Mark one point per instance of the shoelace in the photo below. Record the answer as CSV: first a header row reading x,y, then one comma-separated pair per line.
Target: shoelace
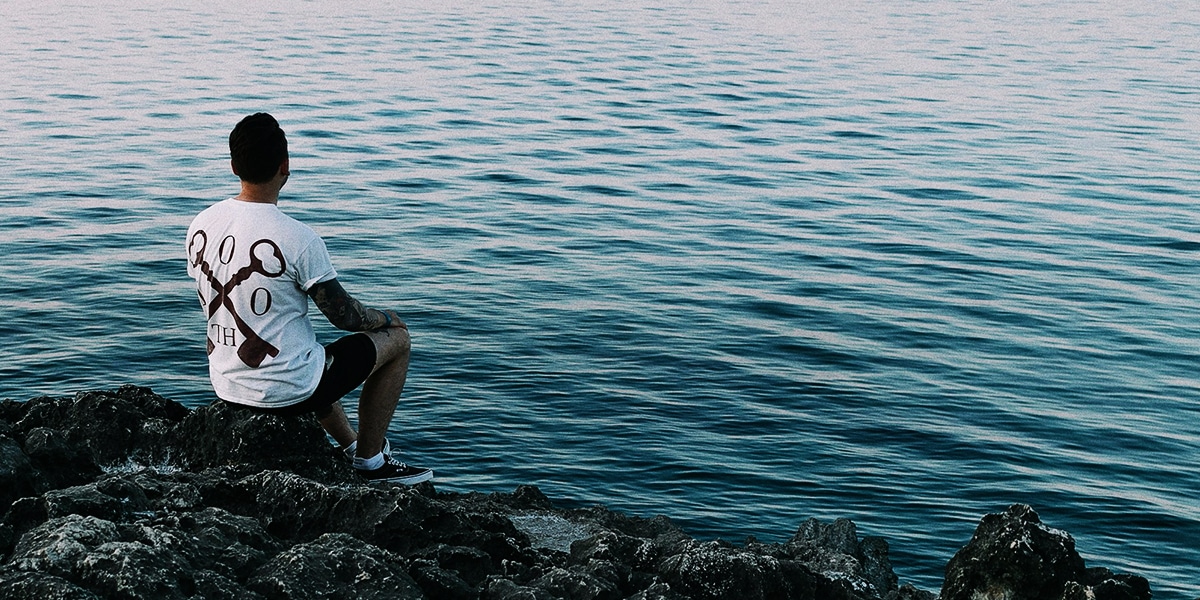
x,y
387,458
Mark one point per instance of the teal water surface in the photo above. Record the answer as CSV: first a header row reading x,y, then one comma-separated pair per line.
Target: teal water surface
x,y
738,263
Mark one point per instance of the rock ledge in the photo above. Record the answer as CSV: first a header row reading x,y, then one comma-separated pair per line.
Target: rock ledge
x,y
126,494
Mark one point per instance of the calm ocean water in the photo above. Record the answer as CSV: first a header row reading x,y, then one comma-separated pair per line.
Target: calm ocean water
x,y
741,263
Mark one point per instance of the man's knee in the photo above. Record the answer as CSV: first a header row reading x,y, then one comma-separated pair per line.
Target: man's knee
x,y
403,342
391,344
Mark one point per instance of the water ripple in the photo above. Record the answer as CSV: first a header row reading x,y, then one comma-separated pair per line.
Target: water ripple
x,y
904,265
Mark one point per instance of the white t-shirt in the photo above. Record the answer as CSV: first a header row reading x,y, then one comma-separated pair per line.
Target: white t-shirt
x,y
253,266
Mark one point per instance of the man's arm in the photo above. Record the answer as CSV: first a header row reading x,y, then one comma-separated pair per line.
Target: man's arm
x,y
345,312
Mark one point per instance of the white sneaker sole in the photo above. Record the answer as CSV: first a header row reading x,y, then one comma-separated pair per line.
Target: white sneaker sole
x,y
415,479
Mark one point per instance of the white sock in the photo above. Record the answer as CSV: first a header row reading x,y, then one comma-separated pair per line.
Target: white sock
x,y
369,464
351,448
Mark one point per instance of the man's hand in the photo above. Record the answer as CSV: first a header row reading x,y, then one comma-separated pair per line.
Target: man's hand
x,y
392,319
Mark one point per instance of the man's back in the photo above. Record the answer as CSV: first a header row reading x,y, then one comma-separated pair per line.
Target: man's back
x,y
252,265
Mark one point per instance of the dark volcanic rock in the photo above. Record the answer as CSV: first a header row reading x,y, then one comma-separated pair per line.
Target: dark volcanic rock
x,y
129,424
335,566
16,472
1013,556
125,494
244,441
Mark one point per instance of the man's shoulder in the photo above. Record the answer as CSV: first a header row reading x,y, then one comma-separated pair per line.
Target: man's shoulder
x,y
299,229
215,211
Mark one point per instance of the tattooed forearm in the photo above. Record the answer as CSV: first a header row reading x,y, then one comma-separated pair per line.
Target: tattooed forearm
x,y
345,312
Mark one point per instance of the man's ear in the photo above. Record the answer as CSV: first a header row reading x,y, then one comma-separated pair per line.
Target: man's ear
x,y
233,168
285,168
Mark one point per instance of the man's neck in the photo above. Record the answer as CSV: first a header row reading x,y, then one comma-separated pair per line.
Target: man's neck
x,y
258,193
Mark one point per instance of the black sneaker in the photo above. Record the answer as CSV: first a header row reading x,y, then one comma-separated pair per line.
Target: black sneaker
x,y
398,472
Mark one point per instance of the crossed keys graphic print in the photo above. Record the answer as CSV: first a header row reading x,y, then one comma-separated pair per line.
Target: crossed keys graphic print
x,y
254,350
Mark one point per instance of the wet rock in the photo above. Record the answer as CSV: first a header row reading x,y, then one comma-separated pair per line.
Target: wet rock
x,y
16,472
335,566
705,570
472,565
437,582
58,546
57,462
877,565
216,586
504,589
128,424
576,583
125,494
24,584
217,541
637,553
137,569
397,518
908,592
1013,556
834,550
223,435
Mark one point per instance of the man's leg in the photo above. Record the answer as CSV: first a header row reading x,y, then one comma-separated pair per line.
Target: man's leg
x,y
337,425
381,391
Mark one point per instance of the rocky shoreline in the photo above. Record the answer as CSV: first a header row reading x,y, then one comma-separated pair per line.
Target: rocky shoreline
x,y
126,494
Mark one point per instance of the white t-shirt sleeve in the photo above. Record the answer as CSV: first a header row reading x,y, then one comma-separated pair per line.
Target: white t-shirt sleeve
x,y
313,265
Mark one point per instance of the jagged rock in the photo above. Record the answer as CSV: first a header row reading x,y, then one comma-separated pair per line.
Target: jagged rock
x,y
877,565
1013,556
908,592
712,570
437,582
472,565
57,462
215,586
335,566
148,566
26,584
87,500
110,560
224,435
63,442
576,583
639,554
58,546
220,542
125,494
16,472
504,589
131,423
835,552
397,518
656,591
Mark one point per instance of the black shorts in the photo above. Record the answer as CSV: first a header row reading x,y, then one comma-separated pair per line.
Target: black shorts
x,y
348,362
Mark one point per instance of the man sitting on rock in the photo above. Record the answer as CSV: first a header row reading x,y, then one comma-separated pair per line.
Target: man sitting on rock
x,y
255,269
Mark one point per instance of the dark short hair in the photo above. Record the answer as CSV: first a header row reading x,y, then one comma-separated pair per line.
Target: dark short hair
x,y
257,146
